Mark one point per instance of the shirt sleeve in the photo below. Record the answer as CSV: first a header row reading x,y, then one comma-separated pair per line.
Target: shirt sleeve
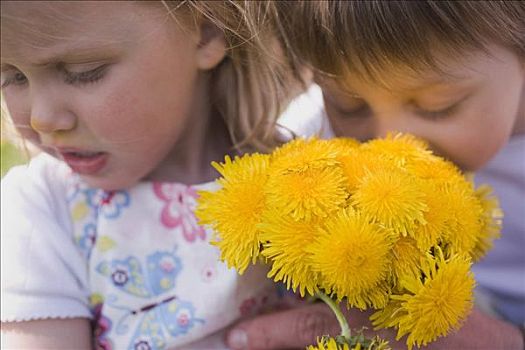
x,y
304,116
44,275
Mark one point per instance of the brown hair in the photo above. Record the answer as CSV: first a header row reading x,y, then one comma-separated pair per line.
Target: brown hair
x,y
253,84
368,37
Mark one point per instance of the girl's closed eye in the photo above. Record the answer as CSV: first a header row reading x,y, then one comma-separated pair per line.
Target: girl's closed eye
x,y
13,77
75,76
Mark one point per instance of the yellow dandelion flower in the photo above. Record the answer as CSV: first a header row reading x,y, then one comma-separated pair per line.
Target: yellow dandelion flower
x,y
491,221
401,148
307,193
377,343
303,154
235,210
435,168
356,163
352,255
344,144
329,344
435,304
436,216
285,245
406,257
388,317
394,198
465,224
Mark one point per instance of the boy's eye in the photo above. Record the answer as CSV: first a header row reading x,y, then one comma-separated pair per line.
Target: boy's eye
x,y
441,113
84,77
14,77
438,114
360,111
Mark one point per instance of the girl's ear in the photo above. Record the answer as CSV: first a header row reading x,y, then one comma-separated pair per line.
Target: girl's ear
x,y
212,46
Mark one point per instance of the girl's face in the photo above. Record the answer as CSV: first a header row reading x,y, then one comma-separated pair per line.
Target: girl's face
x,y
466,116
110,87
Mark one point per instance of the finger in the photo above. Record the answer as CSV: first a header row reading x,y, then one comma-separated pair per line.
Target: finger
x,y
294,328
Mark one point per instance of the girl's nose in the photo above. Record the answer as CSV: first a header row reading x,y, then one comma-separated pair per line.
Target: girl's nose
x,y
49,116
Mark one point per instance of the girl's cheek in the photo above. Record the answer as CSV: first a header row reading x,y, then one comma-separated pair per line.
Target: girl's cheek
x,y
27,133
22,123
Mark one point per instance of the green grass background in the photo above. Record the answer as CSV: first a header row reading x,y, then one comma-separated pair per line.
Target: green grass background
x,y
10,155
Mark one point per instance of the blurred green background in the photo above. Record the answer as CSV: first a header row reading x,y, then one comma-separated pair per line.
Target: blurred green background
x,y
10,155
11,152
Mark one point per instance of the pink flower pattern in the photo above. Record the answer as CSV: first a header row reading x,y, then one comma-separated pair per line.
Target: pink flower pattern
x,y
178,210
101,329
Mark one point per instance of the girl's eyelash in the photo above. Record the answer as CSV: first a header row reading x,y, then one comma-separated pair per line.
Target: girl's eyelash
x,y
90,76
17,78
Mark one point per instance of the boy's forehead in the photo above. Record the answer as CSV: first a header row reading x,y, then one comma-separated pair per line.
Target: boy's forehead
x,y
399,78
447,70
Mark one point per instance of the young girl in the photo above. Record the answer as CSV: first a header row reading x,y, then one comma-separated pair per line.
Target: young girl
x,y
130,102
450,72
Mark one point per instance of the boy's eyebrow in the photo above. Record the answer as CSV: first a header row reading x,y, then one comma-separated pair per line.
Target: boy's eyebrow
x,y
422,84
442,80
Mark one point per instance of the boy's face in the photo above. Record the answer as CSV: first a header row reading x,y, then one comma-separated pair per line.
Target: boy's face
x,y
466,115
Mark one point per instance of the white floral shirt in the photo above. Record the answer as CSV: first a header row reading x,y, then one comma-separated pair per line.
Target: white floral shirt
x,y
135,261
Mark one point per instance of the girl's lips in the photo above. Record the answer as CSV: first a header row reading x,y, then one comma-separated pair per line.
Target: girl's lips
x,y
85,162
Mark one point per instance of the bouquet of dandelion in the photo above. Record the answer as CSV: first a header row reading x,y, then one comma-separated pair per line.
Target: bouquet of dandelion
x,y
384,224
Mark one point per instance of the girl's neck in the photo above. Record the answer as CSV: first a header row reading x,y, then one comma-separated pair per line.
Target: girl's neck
x,y
203,140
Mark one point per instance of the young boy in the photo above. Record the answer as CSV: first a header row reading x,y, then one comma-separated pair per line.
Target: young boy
x,y
452,73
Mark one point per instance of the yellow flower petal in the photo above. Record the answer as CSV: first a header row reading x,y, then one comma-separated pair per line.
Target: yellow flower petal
x,y
434,305
285,244
352,256
344,144
393,198
438,212
315,192
235,210
435,168
356,163
401,148
465,224
406,257
305,180
490,224
303,154
329,344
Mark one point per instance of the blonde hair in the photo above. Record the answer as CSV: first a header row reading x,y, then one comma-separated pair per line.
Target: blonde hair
x,y
253,84
367,38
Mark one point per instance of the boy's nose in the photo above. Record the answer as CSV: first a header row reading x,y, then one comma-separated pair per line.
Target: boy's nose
x,y
392,123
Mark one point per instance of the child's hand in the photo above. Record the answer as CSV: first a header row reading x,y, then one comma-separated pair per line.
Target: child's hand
x,y
290,329
297,328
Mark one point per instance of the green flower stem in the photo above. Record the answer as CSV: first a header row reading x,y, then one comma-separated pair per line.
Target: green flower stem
x,y
345,329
